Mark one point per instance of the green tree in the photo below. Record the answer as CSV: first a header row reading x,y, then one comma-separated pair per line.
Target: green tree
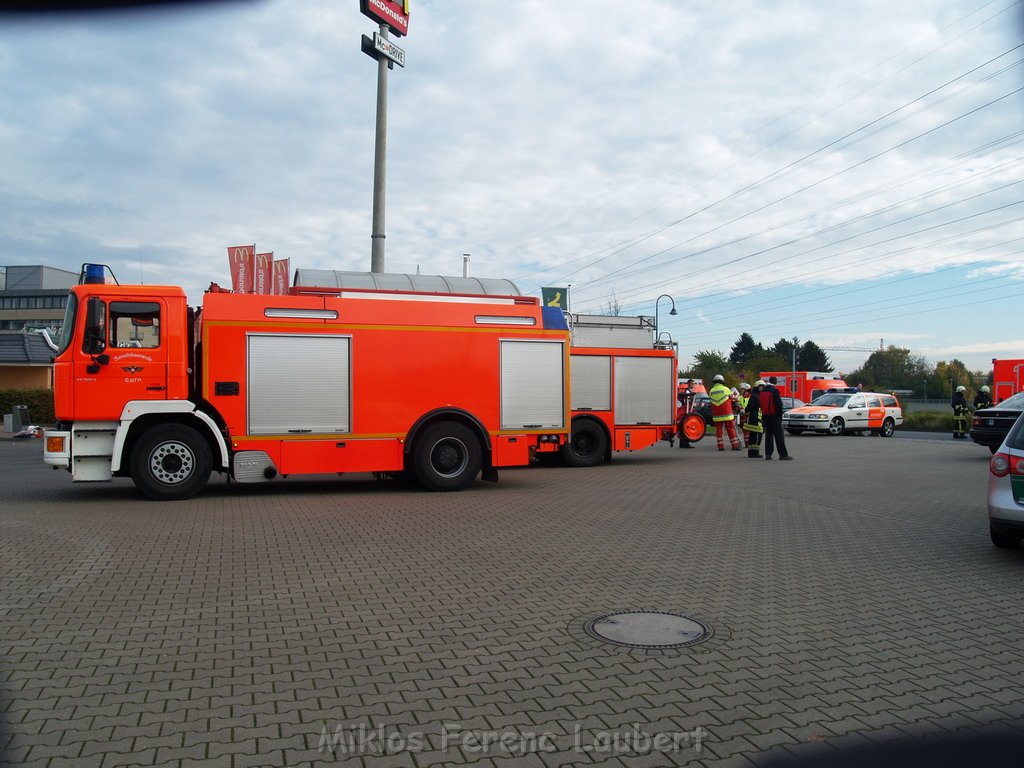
x,y
784,349
891,368
706,364
948,376
765,361
744,350
811,357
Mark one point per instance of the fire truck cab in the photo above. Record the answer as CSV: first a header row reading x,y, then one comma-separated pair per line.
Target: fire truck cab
x,y
313,382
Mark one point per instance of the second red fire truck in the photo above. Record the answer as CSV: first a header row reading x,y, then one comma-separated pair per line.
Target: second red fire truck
x,y
623,387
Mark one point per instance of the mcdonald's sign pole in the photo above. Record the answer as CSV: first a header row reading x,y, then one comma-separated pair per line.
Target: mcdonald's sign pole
x,y
393,16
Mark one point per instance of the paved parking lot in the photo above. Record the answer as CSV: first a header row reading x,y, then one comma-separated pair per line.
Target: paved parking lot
x,y
853,594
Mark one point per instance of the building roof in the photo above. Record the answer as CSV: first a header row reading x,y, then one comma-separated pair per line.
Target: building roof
x,y
37,277
24,349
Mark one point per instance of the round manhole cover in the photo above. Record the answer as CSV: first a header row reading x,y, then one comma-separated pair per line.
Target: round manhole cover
x,y
648,629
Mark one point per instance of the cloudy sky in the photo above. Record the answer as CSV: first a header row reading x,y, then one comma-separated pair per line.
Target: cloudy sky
x,y
842,172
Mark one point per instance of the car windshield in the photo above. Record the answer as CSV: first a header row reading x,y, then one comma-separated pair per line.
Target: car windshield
x,y
832,401
1017,401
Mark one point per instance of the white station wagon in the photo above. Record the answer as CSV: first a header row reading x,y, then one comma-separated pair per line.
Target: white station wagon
x,y
846,411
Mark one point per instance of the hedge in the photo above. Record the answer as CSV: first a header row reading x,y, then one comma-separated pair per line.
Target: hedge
x,y
929,421
39,402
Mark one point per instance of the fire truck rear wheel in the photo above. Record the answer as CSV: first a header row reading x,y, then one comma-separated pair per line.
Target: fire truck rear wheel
x,y
171,462
447,457
587,444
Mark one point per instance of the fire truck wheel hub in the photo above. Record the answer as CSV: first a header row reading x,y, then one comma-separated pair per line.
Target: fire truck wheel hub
x,y
172,463
449,457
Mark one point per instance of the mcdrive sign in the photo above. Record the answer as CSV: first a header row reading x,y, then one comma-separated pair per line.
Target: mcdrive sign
x,y
395,15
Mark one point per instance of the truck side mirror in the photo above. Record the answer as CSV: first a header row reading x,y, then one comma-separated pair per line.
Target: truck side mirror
x,y
94,341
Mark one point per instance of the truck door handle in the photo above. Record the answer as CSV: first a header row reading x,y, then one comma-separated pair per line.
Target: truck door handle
x,y
155,387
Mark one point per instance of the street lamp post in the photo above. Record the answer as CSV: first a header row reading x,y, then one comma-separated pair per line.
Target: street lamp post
x,y
671,312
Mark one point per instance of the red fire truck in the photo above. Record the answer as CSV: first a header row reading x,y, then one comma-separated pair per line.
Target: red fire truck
x,y
804,385
623,385
1007,379
439,377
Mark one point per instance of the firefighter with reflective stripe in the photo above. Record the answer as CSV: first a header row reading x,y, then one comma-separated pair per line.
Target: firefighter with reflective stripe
x,y
752,421
721,413
770,403
742,400
960,413
983,399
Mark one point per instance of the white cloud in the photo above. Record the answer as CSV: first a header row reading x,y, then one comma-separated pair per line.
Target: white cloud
x,y
636,148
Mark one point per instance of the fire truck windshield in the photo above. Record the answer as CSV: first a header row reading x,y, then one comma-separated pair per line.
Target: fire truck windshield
x,y
68,328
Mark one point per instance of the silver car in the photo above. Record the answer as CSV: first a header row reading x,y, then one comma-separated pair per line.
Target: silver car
x,y
1006,489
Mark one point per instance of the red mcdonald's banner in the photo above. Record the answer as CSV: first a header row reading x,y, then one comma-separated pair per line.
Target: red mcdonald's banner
x,y
241,258
281,269
394,14
264,262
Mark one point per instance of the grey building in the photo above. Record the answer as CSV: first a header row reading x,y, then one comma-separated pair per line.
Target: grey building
x,y
34,297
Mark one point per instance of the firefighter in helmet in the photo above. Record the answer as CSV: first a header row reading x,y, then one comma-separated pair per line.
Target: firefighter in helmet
x,y
752,422
721,413
960,413
983,399
741,411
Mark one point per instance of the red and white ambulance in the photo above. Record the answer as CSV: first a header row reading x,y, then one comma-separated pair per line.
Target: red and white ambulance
x,y
846,410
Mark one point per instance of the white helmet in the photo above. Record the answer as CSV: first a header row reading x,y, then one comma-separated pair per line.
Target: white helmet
x,y
744,385
759,383
718,377
986,390
961,388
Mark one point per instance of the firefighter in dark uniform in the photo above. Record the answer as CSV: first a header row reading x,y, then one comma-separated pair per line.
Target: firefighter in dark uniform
x,y
983,399
960,413
752,423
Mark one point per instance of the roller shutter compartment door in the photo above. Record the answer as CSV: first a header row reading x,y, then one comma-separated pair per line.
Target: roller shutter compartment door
x,y
532,384
644,390
299,384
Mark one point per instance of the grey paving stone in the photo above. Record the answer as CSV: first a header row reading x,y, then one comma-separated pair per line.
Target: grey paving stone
x,y
230,629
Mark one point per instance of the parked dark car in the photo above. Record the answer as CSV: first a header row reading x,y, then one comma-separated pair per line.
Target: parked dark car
x,y
991,425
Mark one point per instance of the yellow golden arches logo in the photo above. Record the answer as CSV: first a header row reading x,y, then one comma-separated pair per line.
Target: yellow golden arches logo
x,y
405,7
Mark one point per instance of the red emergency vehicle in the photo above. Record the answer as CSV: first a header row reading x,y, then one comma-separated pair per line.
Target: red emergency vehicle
x,y
1007,379
440,377
804,385
623,387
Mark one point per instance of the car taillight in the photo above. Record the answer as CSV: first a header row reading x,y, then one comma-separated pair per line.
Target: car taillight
x,y
1003,464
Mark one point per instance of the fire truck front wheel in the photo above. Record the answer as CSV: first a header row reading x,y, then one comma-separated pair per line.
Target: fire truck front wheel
x,y
447,457
171,462
587,445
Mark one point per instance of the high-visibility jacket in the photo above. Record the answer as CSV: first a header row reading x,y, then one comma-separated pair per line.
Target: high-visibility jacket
x,y
743,400
721,408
